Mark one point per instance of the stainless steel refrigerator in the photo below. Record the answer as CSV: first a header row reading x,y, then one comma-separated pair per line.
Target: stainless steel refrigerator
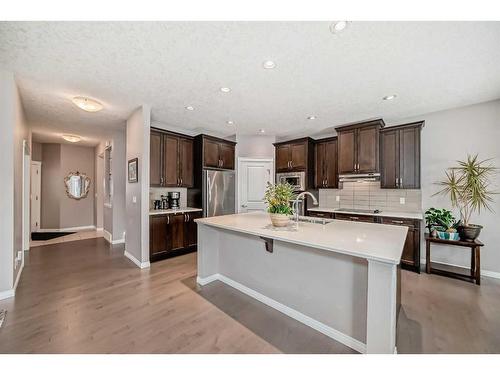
x,y
218,192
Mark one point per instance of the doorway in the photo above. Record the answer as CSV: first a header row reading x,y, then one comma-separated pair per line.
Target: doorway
x,y
36,186
253,176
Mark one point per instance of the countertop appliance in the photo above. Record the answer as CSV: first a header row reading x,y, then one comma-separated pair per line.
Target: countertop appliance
x,y
296,179
173,199
218,193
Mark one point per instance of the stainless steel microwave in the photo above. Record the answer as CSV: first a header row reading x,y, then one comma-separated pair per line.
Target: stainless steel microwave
x,y
296,179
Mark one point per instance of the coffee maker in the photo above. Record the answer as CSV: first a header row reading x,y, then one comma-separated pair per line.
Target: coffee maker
x,y
173,199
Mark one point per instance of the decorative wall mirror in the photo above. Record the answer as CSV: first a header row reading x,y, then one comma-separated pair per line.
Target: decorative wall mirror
x,y
77,185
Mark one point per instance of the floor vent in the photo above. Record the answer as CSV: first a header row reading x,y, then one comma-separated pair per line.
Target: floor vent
x,y
3,314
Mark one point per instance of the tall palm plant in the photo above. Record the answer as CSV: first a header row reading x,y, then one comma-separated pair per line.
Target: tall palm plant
x,y
468,186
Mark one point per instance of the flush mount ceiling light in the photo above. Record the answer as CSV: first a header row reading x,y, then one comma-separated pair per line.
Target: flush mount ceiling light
x,y
71,138
262,131
269,64
338,26
225,89
311,117
229,122
390,97
87,104
190,108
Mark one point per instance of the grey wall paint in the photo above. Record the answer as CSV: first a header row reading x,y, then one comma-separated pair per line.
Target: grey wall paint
x,y
76,159
255,146
51,186
57,209
99,187
137,213
449,136
13,131
119,180
36,151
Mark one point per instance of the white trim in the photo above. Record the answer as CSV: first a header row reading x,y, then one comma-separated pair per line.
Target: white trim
x,y
136,261
99,229
74,229
12,292
121,240
7,294
107,236
307,320
492,274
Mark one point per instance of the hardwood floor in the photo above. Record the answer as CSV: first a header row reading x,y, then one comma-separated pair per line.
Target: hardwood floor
x,y
86,297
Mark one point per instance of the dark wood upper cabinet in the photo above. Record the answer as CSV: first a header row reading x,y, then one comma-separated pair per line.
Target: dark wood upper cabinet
x,y
347,151
155,159
358,147
282,158
325,163
171,159
215,152
226,151
400,156
186,162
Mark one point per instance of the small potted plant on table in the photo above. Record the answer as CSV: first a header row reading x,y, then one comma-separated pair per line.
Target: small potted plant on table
x,y
468,187
441,223
278,197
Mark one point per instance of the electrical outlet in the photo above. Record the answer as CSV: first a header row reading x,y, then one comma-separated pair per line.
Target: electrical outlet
x,y
134,199
337,198
402,200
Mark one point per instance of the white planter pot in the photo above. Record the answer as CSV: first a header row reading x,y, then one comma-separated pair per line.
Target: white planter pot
x,y
279,220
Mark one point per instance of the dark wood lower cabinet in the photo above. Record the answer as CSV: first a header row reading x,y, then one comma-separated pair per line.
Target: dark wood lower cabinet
x,y
356,217
410,259
171,235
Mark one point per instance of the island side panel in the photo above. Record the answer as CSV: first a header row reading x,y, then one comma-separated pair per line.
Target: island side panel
x,y
328,287
208,254
382,307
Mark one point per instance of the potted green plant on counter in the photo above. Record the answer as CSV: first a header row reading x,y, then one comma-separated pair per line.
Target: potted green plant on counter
x,y
441,223
468,186
278,197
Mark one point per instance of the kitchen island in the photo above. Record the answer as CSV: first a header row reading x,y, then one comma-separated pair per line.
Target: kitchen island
x,y
340,278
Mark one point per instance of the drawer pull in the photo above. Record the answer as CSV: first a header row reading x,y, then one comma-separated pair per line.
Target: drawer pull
x,y
353,217
397,221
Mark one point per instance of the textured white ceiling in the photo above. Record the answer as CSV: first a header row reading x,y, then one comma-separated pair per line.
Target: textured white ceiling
x,y
169,65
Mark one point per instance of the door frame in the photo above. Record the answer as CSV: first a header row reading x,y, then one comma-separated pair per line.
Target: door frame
x,y
242,160
39,163
26,198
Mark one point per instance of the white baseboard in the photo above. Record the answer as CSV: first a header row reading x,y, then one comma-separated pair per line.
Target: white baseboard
x,y
107,236
68,229
136,261
12,292
99,229
486,273
307,320
121,240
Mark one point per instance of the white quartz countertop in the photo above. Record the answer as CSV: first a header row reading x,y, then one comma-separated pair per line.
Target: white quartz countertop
x,y
364,240
174,211
382,213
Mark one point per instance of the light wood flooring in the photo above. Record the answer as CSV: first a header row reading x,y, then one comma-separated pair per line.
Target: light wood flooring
x,y
86,297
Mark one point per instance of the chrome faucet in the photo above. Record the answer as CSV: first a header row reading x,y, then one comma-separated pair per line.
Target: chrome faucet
x,y
296,204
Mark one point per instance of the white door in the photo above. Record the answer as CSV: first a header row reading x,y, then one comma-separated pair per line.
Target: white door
x,y
36,188
253,176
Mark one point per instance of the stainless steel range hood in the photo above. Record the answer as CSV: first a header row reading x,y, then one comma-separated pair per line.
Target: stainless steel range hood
x,y
359,177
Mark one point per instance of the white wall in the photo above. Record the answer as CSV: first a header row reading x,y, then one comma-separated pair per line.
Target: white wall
x,y
449,136
119,181
255,146
137,213
13,131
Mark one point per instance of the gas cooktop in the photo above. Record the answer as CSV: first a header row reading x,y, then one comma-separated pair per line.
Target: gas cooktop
x,y
357,210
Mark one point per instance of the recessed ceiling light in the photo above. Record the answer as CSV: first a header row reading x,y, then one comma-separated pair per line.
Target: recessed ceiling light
x,y
225,89
338,26
229,122
87,104
390,97
312,117
190,108
269,64
262,131
71,138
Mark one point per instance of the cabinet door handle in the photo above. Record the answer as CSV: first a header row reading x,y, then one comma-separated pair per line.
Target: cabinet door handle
x,y
397,182
161,180
168,220
401,182
397,221
181,180
326,182
189,217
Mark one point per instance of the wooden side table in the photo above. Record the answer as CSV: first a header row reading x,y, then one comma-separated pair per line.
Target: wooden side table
x,y
475,259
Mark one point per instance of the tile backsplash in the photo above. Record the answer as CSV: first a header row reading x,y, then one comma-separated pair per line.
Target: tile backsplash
x,y
369,196
157,192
